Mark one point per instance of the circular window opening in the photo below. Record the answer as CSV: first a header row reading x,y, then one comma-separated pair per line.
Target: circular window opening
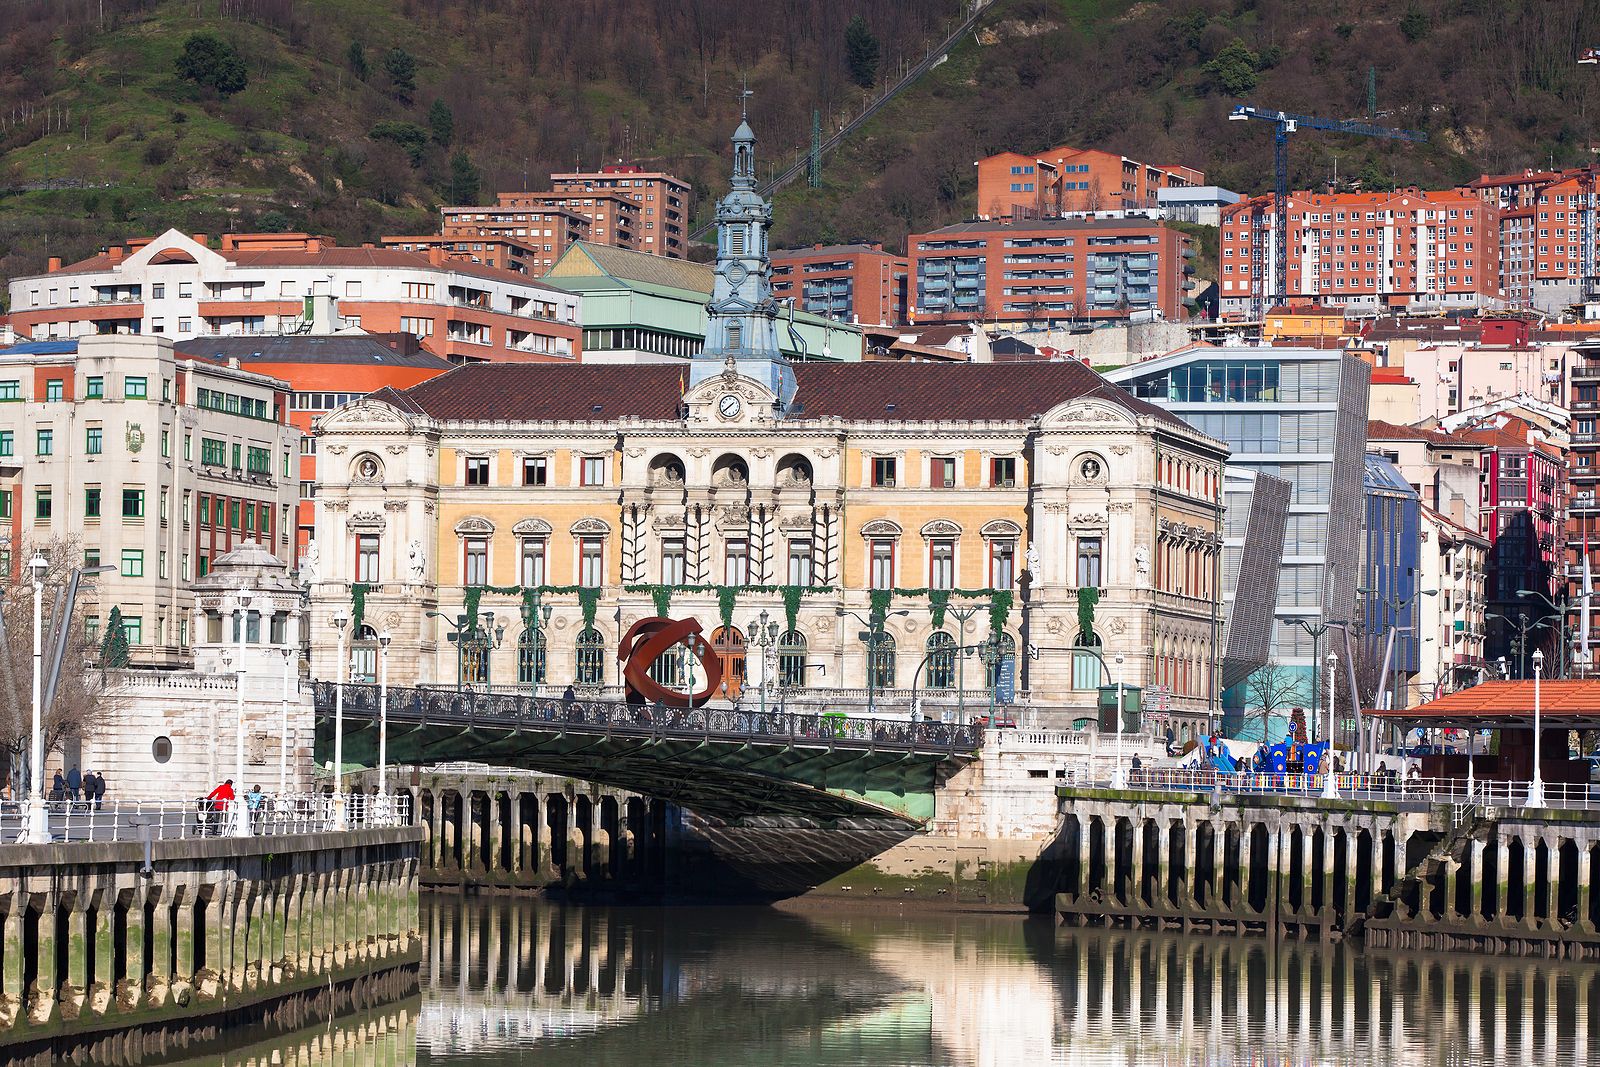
x,y
161,749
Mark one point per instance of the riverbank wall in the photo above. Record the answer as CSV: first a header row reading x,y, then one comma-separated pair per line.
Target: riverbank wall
x,y
1400,873
122,952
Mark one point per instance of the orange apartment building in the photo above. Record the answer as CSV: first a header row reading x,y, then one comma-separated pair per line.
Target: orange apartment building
x,y
1365,252
1017,185
176,285
519,239
490,249
1541,234
614,219
1049,270
662,198
323,372
851,283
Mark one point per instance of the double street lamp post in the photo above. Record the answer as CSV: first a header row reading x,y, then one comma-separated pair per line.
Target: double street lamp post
x,y
764,637
872,635
240,821
38,822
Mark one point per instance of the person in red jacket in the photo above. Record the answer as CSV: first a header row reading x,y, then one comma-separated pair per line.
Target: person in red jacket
x,y
221,800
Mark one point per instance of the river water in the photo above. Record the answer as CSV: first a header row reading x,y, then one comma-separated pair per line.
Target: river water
x,y
528,982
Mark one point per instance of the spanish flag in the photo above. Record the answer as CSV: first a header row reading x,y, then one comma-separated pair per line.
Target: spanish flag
x,y
683,386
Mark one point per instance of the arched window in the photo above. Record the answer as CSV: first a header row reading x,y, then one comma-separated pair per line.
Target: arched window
x,y
591,658
792,660
728,643
531,657
364,655
670,668
941,669
881,662
1008,650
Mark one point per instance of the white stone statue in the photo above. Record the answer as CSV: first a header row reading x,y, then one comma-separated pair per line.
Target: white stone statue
x,y
416,560
1032,558
1141,561
308,565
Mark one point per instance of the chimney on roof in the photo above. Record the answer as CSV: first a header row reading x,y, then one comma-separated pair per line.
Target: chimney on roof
x,y
313,244
55,264
116,253
233,362
436,255
202,239
368,244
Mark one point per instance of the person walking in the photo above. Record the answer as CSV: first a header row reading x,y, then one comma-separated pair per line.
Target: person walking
x,y
58,788
219,800
99,790
74,783
253,801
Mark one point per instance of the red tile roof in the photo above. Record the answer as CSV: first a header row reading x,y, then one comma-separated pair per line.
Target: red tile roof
x,y
1573,701
858,391
1377,430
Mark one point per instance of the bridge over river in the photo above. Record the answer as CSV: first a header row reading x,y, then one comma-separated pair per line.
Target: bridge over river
x,y
726,763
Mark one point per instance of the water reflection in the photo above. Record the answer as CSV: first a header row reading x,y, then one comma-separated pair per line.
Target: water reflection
x,y
529,982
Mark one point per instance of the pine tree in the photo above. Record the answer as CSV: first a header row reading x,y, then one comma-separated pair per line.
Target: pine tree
x,y
114,644
463,179
357,58
210,61
442,122
401,66
861,52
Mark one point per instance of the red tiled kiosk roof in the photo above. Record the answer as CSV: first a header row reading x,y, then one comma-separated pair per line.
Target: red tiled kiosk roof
x,y
1571,703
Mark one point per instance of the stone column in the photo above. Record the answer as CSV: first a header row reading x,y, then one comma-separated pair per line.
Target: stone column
x,y
98,930
1585,882
1085,850
41,1002
1530,884
491,862
80,932
1161,877
519,837
1241,890
11,991
1329,838
1502,876
1552,880
1108,848
1475,874
543,854
180,929
1219,857
242,966
1378,836
1308,871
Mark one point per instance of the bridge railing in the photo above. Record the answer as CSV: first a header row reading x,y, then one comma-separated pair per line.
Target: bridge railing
x,y
174,820
1491,793
608,716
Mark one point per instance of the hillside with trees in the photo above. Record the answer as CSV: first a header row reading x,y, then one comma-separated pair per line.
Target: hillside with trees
x,y
359,117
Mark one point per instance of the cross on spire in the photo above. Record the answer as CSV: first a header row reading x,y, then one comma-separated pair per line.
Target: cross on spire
x,y
744,97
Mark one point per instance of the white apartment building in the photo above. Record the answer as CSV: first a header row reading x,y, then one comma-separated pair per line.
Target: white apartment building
x,y
119,449
176,285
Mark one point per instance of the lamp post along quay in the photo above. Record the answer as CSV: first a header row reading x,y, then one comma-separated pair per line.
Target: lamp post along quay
x,y
38,820
1119,780
239,825
764,636
1536,785
1330,783
341,673
384,639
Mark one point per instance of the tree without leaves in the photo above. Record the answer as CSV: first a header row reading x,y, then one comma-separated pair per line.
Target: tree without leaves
x,y
861,52
1271,688
210,61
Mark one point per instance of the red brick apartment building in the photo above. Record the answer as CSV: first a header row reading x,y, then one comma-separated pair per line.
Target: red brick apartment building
x,y
1064,179
1048,270
614,219
176,285
1409,249
1541,231
850,283
662,198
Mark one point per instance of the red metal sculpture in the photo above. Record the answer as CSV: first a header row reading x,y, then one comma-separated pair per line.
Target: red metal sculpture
x,y
646,641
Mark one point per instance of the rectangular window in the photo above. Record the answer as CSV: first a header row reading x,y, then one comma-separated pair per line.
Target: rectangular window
x,y
8,443
367,558
533,571
133,629
1002,564
45,443
1088,562
941,564
188,446
10,389
161,571
233,514
535,471
134,388
258,460
166,444
475,561
1003,472
238,456
213,453
799,562
133,503
42,505
736,565
94,440
593,470
672,561
132,563
942,472
883,471
882,565
91,502
91,557
591,562
477,470
54,390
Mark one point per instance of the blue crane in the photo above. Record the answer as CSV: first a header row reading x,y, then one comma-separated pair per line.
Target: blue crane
x,y
1283,125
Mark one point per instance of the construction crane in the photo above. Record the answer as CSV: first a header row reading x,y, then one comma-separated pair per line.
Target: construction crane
x,y
1283,125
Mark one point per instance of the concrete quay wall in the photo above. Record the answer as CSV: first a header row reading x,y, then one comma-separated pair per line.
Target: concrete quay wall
x,y
1399,874
107,959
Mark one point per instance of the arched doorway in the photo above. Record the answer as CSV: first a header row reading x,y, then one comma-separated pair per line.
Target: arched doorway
x,y
728,643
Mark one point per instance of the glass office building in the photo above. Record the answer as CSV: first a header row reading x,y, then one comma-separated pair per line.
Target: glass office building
x,y
1296,414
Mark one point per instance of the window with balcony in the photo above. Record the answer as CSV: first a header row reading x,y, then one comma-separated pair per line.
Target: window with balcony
x,y
367,558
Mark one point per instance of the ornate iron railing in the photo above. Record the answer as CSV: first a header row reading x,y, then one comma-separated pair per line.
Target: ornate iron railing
x,y
444,706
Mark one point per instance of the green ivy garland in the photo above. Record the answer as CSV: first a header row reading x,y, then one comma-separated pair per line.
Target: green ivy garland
x,y
791,606
727,597
938,601
999,610
661,597
589,603
358,605
879,601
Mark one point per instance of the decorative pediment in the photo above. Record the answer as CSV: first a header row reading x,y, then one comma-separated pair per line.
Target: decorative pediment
x,y
363,415
799,523
668,520
881,528
531,528
590,527
474,525
941,528
1000,529
734,518
1087,411
367,522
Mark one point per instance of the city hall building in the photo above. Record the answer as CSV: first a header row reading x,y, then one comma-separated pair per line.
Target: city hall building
x,y
985,511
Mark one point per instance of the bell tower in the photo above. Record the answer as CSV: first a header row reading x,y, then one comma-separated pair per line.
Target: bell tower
x,y
742,317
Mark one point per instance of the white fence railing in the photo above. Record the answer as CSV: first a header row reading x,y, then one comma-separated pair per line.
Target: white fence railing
x,y
1483,793
174,820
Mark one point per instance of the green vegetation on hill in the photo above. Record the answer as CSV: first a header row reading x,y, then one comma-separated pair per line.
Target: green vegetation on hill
x,y
359,117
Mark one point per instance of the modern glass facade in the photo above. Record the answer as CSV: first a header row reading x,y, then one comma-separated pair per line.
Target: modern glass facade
x,y
1390,562
1297,414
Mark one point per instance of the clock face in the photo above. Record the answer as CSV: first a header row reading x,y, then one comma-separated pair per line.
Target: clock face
x,y
729,406
736,273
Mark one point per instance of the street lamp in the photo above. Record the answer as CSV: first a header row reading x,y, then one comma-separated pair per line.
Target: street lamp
x,y
764,637
240,822
1316,630
1557,611
962,615
341,674
872,635
38,822
1119,780
1524,627
383,718
1330,783
288,653
1536,787
465,629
